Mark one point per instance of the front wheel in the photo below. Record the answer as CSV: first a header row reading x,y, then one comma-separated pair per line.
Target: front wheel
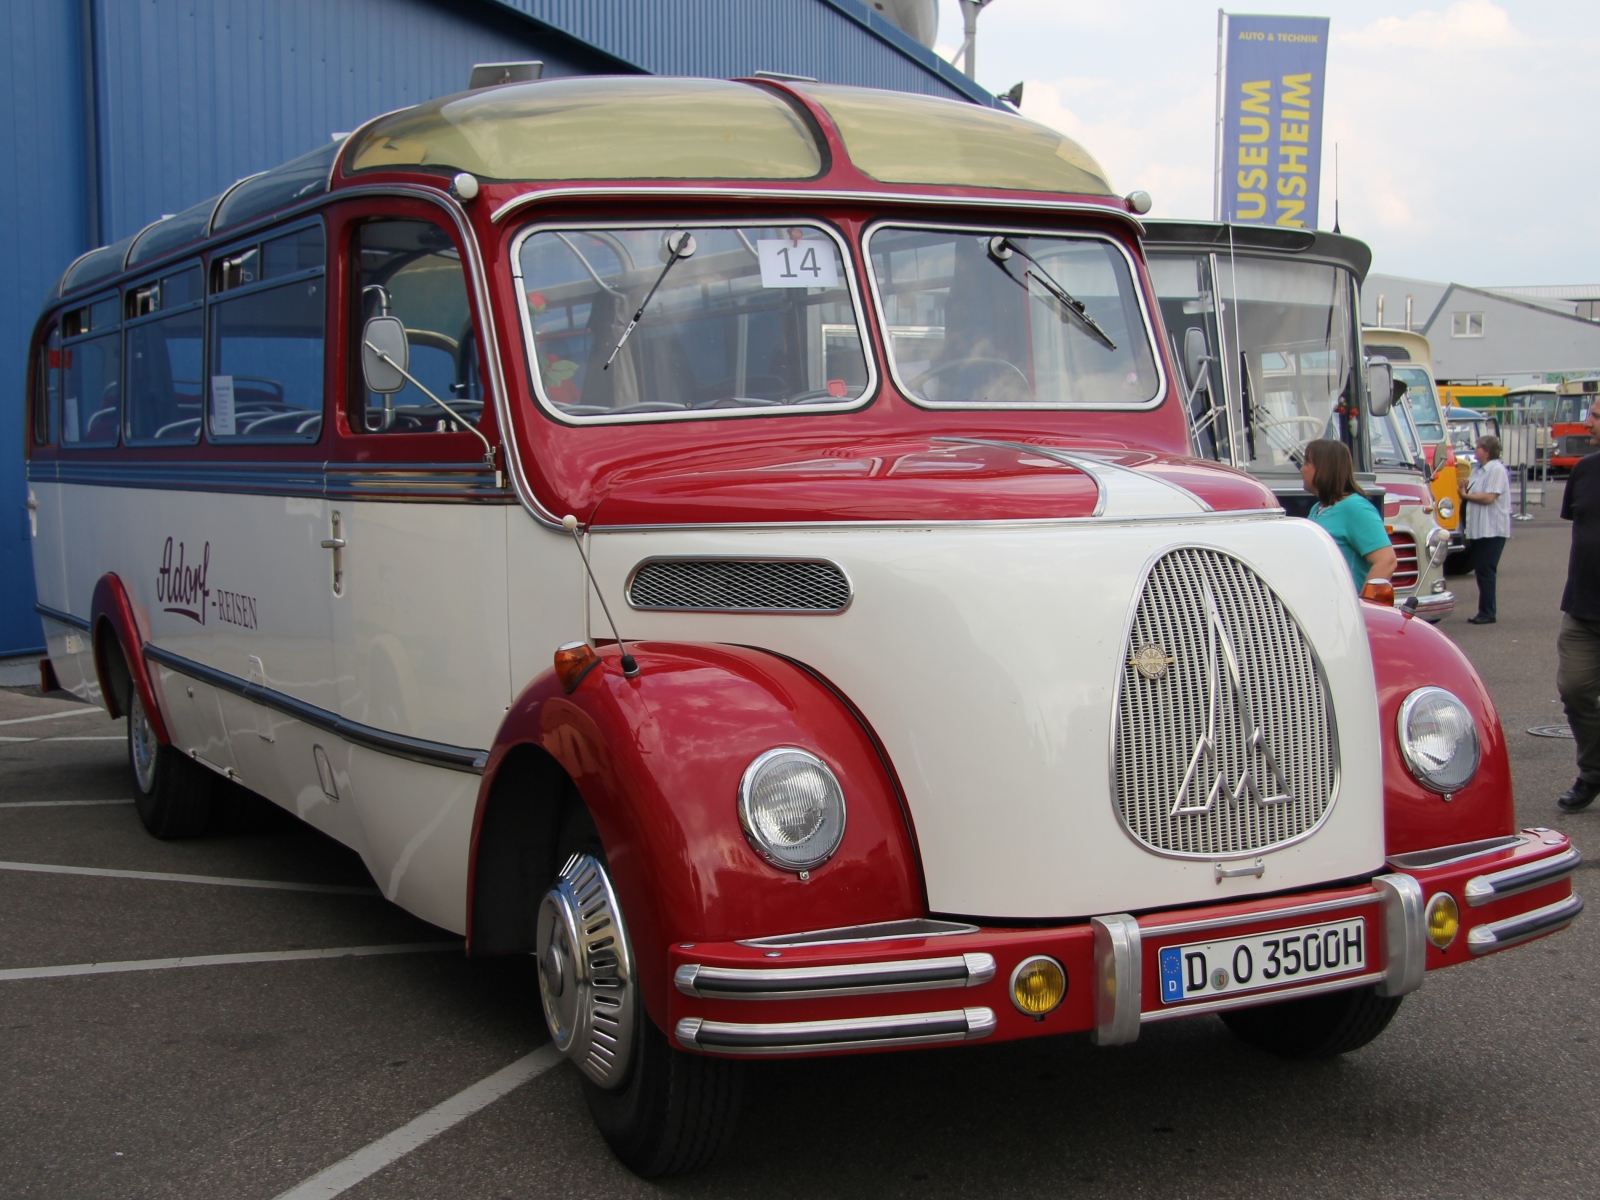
x,y
1317,1026
172,793
661,1110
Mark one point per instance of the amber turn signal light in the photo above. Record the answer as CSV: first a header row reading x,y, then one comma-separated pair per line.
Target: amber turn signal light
x,y
1379,591
1038,985
573,661
1444,920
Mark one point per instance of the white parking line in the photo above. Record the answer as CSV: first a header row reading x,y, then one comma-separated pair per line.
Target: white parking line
x,y
369,1160
87,710
100,737
221,960
214,880
59,803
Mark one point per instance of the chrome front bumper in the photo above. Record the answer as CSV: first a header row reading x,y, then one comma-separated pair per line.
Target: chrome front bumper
x,y
1431,608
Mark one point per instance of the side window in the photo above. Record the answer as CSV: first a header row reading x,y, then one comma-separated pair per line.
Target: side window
x,y
165,321
267,330
91,388
47,388
412,270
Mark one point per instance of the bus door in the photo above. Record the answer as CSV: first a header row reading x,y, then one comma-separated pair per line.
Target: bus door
x,y
420,622
252,543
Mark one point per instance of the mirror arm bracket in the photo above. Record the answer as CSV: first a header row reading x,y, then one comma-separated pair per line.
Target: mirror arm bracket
x,y
489,459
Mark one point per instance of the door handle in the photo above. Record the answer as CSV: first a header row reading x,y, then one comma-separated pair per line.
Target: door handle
x,y
336,543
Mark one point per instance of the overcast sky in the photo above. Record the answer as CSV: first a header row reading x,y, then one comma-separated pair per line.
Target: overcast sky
x,y
1468,146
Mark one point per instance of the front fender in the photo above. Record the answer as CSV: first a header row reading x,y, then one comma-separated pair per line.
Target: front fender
x,y
1408,654
657,760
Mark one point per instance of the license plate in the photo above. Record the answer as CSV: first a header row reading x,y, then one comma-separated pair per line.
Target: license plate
x,y
1208,970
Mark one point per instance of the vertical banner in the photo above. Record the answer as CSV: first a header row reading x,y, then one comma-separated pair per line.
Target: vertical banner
x,y
1272,119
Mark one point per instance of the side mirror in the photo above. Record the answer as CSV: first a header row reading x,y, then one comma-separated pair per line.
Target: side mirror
x,y
1195,352
381,338
1380,386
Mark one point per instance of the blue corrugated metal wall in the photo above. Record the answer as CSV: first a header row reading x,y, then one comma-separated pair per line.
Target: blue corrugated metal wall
x,y
45,223
189,95
836,41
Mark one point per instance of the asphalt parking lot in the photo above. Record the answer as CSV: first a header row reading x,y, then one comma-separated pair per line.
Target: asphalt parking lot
x,y
282,1073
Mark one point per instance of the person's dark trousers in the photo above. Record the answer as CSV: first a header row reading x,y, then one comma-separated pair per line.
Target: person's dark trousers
x,y
1486,566
1578,681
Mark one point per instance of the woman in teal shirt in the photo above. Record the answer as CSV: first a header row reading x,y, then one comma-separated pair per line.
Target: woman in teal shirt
x,y
1345,512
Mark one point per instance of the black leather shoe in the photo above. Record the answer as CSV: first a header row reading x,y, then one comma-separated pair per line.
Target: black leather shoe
x,y
1480,619
1579,796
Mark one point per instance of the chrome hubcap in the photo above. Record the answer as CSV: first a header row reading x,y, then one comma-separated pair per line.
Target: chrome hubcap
x,y
586,984
141,745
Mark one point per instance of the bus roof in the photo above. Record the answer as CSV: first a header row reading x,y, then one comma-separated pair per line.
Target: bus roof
x,y
1398,345
637,128
1348,252
1578,387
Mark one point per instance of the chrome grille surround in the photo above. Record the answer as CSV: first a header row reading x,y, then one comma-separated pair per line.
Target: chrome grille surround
x,y
749,585
1159,724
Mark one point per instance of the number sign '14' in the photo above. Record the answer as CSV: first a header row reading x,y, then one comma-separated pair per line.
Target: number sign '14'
x,y
809,262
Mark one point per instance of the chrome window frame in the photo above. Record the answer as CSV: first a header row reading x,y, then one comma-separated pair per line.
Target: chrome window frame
x,y
1154,343
869,391
261,235
128,323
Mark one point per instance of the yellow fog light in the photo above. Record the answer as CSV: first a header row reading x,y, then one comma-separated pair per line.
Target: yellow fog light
x,y
1444,919
1038,985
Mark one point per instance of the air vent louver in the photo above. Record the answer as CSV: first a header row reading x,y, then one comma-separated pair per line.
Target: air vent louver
x,y
739,585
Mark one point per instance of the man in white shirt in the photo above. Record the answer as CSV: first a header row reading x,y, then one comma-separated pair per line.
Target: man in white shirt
x,y
1487,495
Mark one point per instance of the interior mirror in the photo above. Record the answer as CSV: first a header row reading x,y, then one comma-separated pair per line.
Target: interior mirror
x,y
1380,386
383,345
1195,352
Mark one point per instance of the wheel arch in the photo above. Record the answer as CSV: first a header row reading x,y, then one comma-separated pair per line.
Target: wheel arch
x,y
656,761
118,644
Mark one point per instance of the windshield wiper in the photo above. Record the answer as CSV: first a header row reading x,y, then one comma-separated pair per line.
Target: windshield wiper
x,y
1002,248
683,249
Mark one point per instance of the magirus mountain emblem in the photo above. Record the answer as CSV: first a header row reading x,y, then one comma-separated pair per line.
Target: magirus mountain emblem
x,y
1206,781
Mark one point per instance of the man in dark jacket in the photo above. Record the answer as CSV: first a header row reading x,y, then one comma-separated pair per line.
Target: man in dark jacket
x,y
1578,648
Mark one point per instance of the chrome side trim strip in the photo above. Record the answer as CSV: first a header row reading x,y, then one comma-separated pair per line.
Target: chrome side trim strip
x,y
1440,856
881,931
439,482
1270,914
801,1037
1486,889
1247,999
1118,979
433,754
1405,928
1497,935
61,618
846,979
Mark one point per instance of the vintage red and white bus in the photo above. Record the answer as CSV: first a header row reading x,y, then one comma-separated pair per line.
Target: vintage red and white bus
x,y
958,701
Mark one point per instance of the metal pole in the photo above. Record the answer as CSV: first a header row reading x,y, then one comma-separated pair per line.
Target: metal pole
x,y
1216,152
1522,470
969,21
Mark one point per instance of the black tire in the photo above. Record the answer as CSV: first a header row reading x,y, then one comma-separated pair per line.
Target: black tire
x,y
1317,1026
172,792
675,1111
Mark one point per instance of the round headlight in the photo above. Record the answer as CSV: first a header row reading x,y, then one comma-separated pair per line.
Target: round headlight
x,y
1447,508
792,808
1438,739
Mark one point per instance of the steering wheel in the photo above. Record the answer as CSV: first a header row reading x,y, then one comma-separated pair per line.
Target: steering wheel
x,y
960,364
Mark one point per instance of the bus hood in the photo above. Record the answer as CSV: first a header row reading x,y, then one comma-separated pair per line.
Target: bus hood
x,y
995,662
916,480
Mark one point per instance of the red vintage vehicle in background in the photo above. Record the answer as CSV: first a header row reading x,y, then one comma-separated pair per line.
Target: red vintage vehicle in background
x,y
959,701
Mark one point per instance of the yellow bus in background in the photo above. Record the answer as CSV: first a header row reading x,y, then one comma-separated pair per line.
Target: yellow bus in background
x,y
1411,359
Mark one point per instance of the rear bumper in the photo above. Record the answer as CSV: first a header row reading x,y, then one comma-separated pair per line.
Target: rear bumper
x,y
888,987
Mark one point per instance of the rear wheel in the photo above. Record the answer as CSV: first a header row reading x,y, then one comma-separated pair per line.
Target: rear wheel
x,y
172,793
661,1110
1317,1026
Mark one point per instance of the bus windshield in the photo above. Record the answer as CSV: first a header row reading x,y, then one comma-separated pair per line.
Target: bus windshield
x,y
664,322
1390,446
1424,401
